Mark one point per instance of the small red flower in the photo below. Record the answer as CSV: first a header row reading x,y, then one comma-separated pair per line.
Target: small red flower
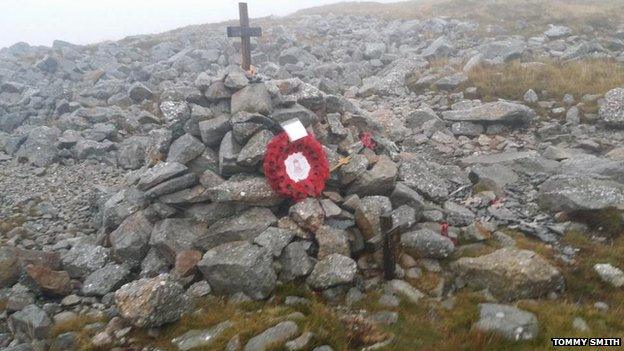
x,y
367,140
306,150
444,226
496,201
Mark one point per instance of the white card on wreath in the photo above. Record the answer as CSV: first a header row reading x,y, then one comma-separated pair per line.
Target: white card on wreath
x,y
295,129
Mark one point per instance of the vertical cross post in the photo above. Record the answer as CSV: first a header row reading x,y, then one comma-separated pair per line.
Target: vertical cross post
x,y
245,33
245,42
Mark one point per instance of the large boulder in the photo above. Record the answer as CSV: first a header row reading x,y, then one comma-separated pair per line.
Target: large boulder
x,y
507,321
245,226
610,274
91,149
379,180
9,267
49,281
274,239
139,92
369,212
252,154
160,173
295,261
390,81
439,48
612,111
587,164
510,274
555,32
308,213
503,50
333,270
519,161
132,152
423,177
152,302
228,155
195,338
213,130
84,259
184,149
254,191
427,244
239,267
129,242
105,280
173,185
331,240
273,336
493,112
39,148
173,235
253,98
579,193
121,205
494,175
29,324
284,114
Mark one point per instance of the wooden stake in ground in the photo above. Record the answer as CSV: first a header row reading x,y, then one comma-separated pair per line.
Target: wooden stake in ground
x,y
244,32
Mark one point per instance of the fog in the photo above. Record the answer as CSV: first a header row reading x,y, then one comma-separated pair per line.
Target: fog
x,y
40,22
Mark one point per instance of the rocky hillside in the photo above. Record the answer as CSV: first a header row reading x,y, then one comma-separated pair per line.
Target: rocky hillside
x,y
134,214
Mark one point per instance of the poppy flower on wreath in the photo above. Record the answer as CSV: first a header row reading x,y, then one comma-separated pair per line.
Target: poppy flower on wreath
x,y
367,140
297,169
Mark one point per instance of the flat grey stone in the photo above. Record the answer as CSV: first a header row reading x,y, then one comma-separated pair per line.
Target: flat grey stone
x,y
334,269
274,239
105,280
160,173
129,242
152,302
245,226
427,243
239,267
507,321
273,336
200,338
29,324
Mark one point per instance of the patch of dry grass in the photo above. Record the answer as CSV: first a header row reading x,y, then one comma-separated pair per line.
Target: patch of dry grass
x,y
74,324
512,80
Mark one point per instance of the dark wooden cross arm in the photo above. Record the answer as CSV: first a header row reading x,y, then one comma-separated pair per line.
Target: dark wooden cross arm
x,y
244,32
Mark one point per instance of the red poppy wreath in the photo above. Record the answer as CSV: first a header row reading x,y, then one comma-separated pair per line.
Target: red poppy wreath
x,y
296,169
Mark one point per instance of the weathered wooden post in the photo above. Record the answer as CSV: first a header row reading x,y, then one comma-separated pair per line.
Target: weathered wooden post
x,y
245,33
390,237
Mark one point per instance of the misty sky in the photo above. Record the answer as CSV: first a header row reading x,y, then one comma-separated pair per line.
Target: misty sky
x,y
39,22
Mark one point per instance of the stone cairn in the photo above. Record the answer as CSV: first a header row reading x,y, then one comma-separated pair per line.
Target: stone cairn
x,y
203,214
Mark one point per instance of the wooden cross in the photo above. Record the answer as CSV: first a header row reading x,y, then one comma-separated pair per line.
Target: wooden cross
x,y
244,32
